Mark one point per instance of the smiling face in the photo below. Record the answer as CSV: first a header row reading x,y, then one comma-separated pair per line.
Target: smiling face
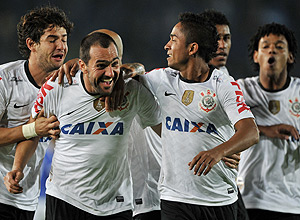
x,y
52,49
224,45
273,56
102,70
177,51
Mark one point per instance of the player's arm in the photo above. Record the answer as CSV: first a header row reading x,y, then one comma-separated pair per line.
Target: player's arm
x,y
41,127
24,152
245,136
282,131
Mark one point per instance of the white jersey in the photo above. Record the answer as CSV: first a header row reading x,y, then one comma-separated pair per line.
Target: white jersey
x,y
18,91
196,117
271,168
145,161
224,70
90,167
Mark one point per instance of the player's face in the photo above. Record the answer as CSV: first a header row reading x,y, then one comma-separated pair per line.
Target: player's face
x,y
52,49
102,71
273,55
224,45
177,51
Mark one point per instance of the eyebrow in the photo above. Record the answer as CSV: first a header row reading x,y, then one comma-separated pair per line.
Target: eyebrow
x,y
173,35
279,41
104,61
55,36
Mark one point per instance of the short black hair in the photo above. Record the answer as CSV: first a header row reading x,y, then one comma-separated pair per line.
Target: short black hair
x,y
200,30
276,29
104,40
33,24
216,17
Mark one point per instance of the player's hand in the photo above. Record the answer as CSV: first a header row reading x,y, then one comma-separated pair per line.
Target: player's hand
x,y
12,180
69,69
232,161
45,127
115,99
131,70
282,131
204,161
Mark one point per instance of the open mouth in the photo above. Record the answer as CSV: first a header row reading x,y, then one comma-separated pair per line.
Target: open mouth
x,y
58,56
271,60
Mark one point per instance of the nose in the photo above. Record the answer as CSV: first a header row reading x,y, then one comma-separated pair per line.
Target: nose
x,y
61,45
109,72
272,49
222,43
167,46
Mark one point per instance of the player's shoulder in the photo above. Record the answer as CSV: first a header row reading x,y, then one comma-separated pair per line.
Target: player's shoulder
x,y
248,81
295,80
10,68
168,71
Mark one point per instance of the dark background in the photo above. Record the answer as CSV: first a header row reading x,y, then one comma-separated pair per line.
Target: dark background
x,y
145,25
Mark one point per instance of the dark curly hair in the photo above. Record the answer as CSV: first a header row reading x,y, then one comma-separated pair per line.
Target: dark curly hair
x,y
276,29
215,17
197,28
33,24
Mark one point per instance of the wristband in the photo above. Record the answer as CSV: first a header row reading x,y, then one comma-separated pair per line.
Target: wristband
x,y
28,130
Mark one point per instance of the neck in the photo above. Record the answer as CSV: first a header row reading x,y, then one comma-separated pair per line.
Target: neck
x,y
38,74
272,81
197,71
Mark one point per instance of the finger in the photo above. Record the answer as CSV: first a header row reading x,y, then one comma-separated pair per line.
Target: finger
x,y
41,113
54,75
295,134
208,168
74,69
199,165
54,132
230,165
61,74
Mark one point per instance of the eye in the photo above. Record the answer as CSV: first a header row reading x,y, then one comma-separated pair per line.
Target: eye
x,y
115,64
101,66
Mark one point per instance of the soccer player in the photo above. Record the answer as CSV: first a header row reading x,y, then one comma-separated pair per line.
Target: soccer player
x,y
219,61
90,175
271,168
224,38
204,119
43,34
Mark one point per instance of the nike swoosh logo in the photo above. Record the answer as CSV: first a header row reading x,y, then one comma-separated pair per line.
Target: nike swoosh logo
x,y
19,106
168,94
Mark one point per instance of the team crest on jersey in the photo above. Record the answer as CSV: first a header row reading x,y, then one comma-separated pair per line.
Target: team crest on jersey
x,y
187,97
125,102
274,106
294,107
99,104
208,101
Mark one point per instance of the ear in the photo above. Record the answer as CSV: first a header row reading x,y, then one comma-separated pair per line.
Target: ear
x,y
255,55
30,44
82,66
193,48
291,58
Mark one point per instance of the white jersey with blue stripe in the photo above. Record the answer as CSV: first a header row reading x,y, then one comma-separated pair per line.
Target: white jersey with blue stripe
x,y
90,163
196,117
